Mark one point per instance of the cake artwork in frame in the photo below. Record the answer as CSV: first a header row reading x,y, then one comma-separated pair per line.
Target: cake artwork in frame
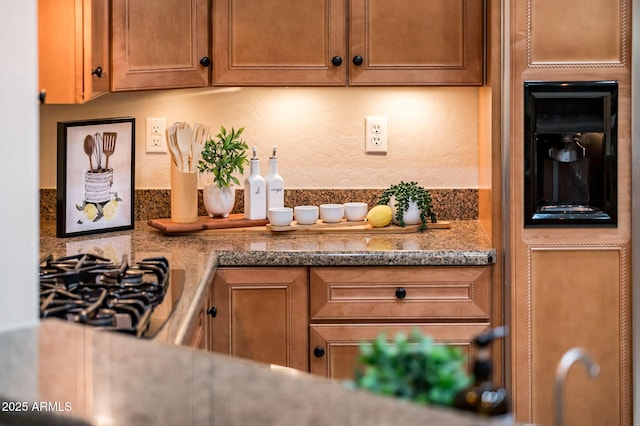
x,y
95,180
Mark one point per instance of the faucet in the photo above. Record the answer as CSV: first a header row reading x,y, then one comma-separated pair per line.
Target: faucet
x,y
567,360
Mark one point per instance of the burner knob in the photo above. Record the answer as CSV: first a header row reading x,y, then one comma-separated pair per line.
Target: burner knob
x,y
213,312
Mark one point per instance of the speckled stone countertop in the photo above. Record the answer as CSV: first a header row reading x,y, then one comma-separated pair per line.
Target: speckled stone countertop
x,y
87,377
196,256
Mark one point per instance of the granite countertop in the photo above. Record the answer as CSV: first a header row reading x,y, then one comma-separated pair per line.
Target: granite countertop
x,y
195,256
77,375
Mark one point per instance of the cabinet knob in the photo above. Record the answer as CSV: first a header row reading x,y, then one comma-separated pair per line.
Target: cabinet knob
x,y
336,61
212,312
97,72
42,96
205,61
318,351
401,293
357,60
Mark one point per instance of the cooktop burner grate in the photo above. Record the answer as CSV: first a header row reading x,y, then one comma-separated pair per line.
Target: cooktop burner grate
x,y
92,290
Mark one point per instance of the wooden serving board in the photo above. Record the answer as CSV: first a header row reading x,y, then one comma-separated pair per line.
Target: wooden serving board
x,y
203,223
348,227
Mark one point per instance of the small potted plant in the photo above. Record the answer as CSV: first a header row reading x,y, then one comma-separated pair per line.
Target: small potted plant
x,y
412,367
411,204
221,158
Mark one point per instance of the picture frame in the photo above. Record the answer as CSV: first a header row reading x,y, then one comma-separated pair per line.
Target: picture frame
x,y
95,176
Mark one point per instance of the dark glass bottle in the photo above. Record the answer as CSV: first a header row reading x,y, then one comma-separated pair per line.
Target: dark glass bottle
x,y
482,397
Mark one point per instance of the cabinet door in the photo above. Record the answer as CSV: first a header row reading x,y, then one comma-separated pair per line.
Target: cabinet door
x,y
262,315
417,42
100,61
279,42
73,41
201,333
334,349
159,45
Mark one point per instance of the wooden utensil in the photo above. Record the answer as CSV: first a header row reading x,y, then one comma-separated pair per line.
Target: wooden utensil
x,y
184,144
108,146
200,135
89,145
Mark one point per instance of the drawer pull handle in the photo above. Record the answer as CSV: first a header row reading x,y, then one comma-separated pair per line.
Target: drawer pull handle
x,y
213,312
318,352
401,293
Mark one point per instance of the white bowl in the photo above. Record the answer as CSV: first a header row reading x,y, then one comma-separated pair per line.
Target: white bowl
x,y
331,213
280,216
356,212
306,215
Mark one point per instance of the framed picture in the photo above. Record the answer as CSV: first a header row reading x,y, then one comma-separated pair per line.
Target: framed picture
x,y
95,182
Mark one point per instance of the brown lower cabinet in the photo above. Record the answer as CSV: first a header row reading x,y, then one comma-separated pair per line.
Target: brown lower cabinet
x,y
314,319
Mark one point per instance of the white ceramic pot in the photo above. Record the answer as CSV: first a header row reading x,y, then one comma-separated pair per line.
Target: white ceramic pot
x,y
219,201
411,216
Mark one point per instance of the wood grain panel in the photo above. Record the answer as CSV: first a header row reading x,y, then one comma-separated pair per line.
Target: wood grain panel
x,y
342,342
159,47
279,42
409,42
262,315
572,33
460,293
578,299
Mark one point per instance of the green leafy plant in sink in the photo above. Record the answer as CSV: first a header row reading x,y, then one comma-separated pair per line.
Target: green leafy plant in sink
x,y
406,196
413,368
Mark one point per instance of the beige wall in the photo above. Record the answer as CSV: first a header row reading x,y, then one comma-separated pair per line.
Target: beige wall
x,y
433,132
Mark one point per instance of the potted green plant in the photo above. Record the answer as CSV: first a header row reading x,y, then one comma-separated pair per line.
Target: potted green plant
x,y
413,368
222,157
411,204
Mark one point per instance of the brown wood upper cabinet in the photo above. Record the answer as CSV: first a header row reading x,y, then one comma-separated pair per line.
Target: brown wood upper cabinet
x,y
382,42
73,37
159,45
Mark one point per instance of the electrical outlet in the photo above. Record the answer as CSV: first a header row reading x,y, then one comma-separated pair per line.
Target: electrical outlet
x,y
156,139
375,135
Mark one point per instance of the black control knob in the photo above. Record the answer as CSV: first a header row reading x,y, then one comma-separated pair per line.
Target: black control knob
x,y
97,72
212,312
401,293
357,60
336,61
318,352
205,61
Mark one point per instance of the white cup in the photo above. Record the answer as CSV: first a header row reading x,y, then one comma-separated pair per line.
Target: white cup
x,y
280,216
306,215
331,213
356,212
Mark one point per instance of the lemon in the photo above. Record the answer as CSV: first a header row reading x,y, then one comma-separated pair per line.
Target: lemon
x,y
380,216
109,209
91,211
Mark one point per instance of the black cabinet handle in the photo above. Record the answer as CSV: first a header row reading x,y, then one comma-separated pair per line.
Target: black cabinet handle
x,y
336,61
318,351
42,96
357,60
212,312
401,293
97,72
205,61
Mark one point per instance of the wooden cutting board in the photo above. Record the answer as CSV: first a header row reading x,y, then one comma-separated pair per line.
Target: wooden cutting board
x,y
203,223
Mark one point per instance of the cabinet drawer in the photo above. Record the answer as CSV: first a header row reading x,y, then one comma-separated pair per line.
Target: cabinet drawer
x,y
334,349
410,293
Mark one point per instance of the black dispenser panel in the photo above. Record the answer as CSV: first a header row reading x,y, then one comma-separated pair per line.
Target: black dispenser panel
x,y
570,153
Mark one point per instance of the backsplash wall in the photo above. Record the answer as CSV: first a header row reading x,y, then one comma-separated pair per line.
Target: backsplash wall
x,y
432,132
